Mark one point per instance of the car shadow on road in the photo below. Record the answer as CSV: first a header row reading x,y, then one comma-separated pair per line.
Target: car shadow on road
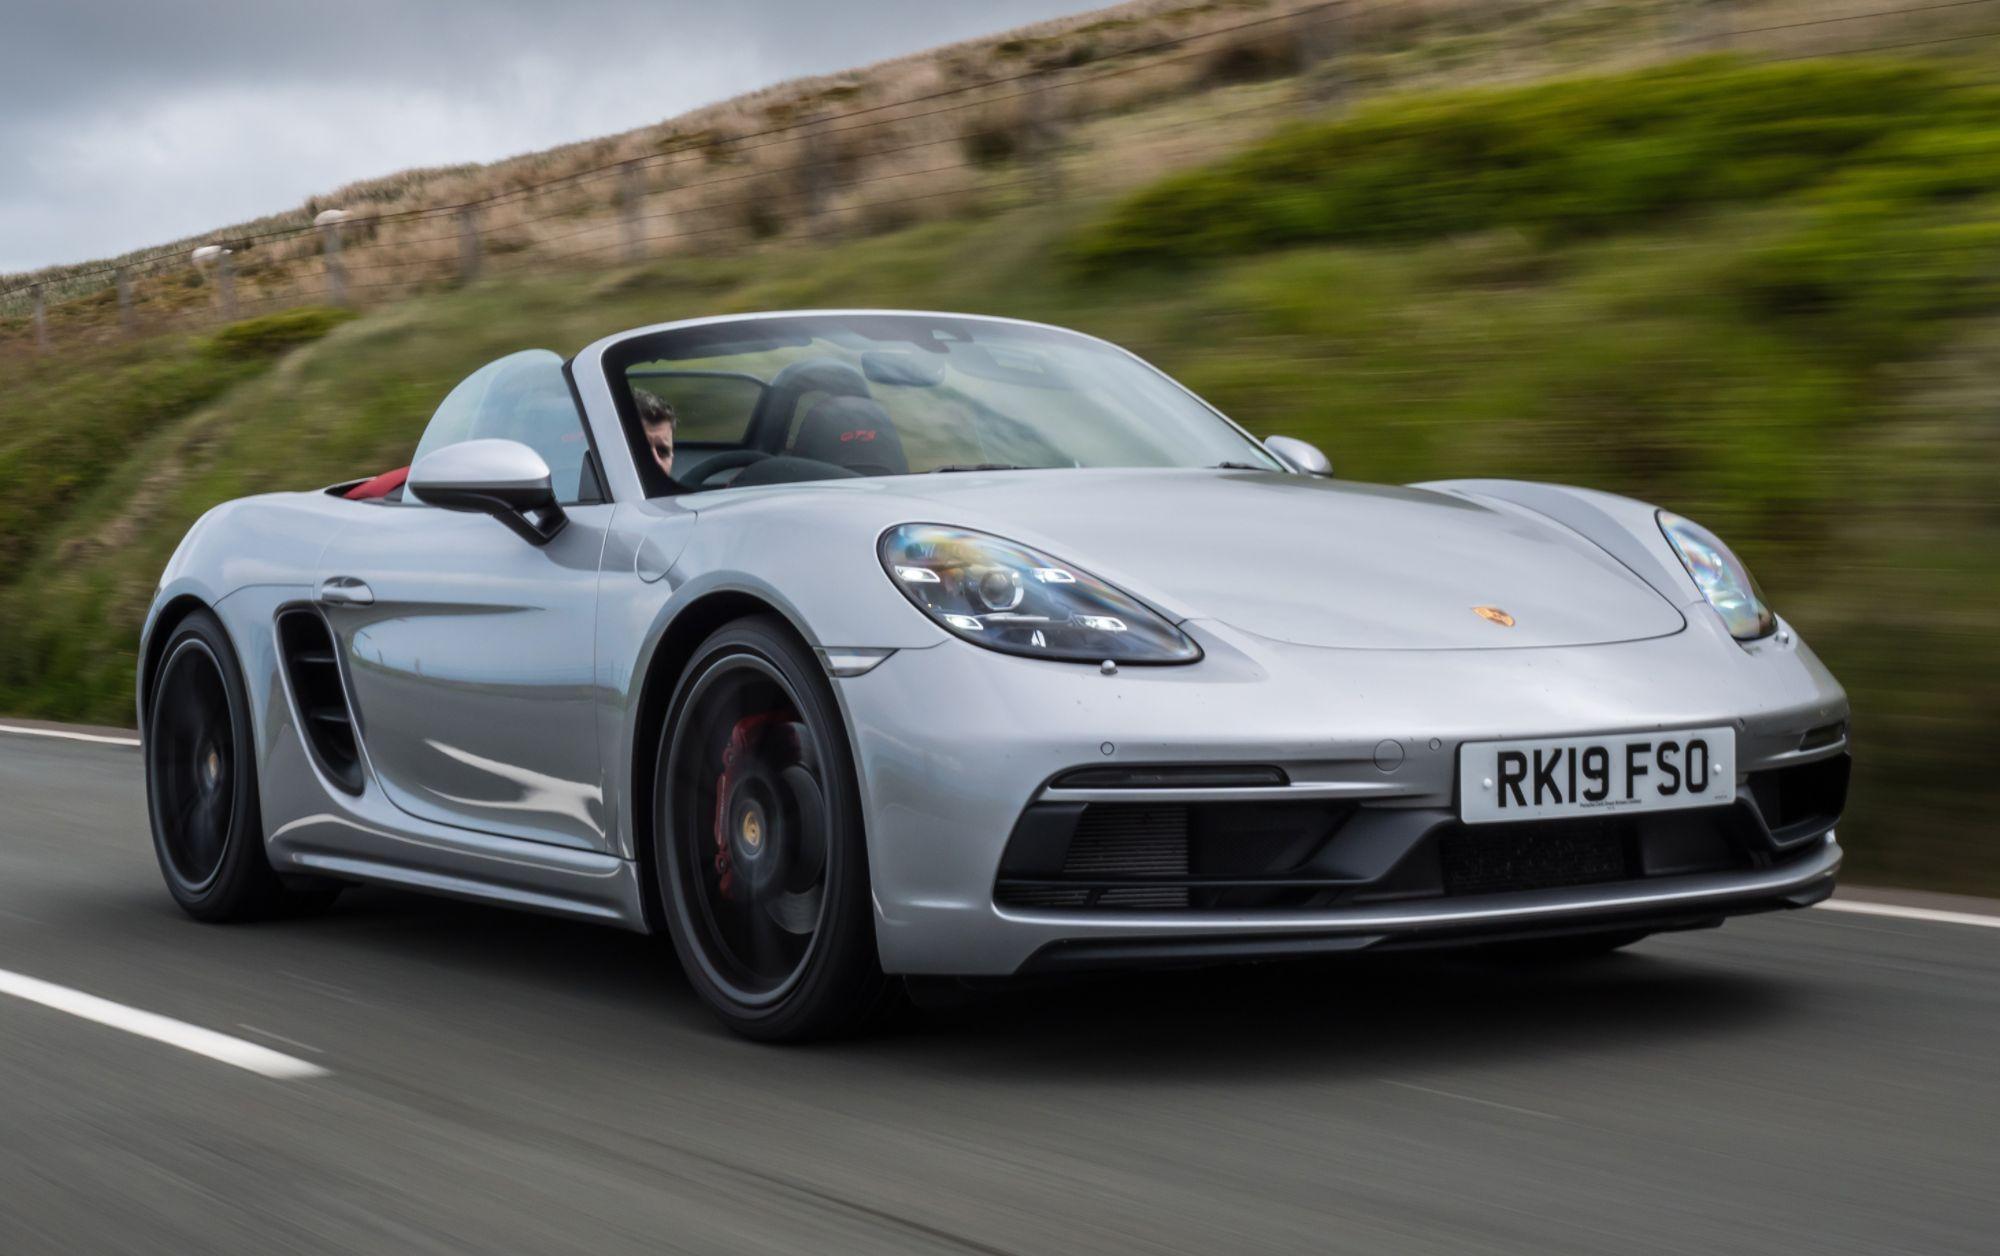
x,y
1311,1019
1357,1013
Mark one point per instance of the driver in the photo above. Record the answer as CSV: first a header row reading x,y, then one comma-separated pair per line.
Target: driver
x,y
658,420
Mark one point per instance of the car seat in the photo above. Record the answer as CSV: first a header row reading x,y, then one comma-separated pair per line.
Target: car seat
x,y
855,433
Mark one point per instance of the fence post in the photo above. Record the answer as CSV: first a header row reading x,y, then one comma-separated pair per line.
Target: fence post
x,y
123,280
1317,44
632,195
336,272
225,285
1044,136
468,244
41,319
814,171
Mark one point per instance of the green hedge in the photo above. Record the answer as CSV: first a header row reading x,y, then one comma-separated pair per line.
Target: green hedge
x,y
1569,158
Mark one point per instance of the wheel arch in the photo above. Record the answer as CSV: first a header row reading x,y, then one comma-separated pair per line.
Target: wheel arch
x,y
671,654
170,615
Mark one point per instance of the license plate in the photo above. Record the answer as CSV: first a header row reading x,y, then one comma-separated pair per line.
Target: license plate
x,y
1545,778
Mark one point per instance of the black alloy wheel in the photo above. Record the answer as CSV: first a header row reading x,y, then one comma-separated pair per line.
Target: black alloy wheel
x,y
760,858
201,784
192,764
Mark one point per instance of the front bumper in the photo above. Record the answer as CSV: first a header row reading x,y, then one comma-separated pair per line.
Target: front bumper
x,y
954,742
1652,905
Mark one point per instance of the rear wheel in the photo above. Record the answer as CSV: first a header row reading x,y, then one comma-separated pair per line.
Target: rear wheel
x,y
201,783
761,862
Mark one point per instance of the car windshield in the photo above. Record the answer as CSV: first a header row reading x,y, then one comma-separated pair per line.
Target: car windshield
x,y
829,396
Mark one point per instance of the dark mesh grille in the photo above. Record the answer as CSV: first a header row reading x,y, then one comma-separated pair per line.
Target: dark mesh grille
x,y
1500,859
1129,841
1126,841
1114,841
1042,896
1145,896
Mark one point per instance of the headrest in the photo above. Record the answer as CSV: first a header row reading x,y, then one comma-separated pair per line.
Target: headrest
x,y
855,433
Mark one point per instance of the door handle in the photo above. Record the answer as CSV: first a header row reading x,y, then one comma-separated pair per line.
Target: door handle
x,y
345,591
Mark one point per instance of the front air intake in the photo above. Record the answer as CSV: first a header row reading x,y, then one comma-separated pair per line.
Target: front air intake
x,y
1201,856
1802,800
1132,842
326,720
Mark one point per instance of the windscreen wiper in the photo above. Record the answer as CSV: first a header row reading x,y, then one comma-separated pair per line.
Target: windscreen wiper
x,y
1235,466
981,466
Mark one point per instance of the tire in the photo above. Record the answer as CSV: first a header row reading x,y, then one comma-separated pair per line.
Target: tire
x,y
759,852
201,784
1566,949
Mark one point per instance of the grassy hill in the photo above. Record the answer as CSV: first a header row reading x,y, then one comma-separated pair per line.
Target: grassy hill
x,y
1765,296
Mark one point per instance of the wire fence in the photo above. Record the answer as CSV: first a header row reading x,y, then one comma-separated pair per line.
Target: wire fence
x,y
831,174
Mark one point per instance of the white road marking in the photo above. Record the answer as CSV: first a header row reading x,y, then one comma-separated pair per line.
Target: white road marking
x,y
1930,914
67,735
244,1055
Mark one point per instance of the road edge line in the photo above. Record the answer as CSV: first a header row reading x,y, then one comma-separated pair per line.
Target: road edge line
x,y
1930,915
67,735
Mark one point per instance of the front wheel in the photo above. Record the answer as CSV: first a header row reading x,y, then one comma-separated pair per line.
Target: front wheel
x,y
759,852
201,783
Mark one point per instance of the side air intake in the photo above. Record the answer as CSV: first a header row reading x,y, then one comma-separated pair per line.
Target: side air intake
x,y
314,675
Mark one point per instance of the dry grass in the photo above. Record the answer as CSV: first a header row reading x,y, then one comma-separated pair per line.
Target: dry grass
x,y
845,154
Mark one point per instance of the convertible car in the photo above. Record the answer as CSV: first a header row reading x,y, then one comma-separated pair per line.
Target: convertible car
x,y
864,650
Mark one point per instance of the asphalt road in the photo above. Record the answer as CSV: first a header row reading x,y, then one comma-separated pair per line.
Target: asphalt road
x,y
1816,1082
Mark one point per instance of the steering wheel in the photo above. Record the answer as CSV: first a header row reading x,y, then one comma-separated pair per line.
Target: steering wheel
x,y
726,461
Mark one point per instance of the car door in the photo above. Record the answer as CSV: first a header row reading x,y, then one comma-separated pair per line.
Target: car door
x,y
468,651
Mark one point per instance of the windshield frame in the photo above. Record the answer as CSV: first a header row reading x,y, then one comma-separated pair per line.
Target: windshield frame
x,y
600,370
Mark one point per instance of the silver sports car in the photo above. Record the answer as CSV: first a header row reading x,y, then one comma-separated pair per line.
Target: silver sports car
x,y
854,649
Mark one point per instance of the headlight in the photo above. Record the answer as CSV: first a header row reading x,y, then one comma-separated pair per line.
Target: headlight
x,y
1721,577
1008,597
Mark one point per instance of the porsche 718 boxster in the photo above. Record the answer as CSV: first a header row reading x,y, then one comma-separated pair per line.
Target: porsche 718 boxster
x,y
861,649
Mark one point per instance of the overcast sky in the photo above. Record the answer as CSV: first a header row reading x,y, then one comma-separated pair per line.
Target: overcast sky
x,y
126,123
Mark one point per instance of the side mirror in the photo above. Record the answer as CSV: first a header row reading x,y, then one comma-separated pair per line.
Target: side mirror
x,y
502,478
1301,457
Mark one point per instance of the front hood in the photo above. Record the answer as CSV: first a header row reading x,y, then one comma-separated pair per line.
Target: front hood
x,y
1313,562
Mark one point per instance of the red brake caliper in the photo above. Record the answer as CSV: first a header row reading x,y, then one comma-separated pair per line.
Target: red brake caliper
x,y
742,739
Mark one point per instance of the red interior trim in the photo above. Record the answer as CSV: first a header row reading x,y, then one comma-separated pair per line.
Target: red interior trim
x,y
381,486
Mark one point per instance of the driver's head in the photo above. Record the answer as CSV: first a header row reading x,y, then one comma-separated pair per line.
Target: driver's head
x,y
658,420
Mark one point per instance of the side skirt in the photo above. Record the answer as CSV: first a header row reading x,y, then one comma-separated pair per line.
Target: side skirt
x,y
532,876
